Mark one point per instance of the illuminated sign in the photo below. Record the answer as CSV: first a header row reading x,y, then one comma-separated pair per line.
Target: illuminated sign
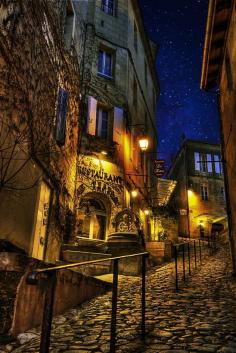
x,y
99,176
159,167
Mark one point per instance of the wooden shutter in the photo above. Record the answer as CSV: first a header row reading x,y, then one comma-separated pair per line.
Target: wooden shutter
x,y
92,112
118,126
62,104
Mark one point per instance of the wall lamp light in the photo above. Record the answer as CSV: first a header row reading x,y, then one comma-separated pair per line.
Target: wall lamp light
x,y
143,139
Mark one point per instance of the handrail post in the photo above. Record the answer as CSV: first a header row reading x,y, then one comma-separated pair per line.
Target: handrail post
x,y
195,254
189,260
200,251
114,307
176,268
143,296
48,313
183,263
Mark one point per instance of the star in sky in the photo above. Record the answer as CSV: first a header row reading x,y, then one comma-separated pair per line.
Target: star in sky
x,y
178,27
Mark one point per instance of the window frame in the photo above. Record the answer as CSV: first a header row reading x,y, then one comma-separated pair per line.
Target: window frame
x,y
204,190
106,52
217,162
105,7
99,121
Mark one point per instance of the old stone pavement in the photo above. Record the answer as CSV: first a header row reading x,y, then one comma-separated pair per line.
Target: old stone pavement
x,y
201,317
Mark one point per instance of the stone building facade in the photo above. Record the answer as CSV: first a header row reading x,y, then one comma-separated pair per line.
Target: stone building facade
x,y
119,93
39,92
199,196
218,72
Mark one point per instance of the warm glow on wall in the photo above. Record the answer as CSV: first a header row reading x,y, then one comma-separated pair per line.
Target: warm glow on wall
x,y
127,150
192,198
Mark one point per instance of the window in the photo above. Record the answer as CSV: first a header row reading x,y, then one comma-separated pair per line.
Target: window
x,y
204,192
135,94
197,160
102,123
145,72
69,29
135,37
222,192
105,63
217,162
203,162
209,163
61,114
108,6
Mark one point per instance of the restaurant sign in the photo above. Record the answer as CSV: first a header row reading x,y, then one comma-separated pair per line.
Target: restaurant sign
x,y
159,167
100,176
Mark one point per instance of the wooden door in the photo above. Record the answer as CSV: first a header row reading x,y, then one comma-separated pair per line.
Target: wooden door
x,y
40,229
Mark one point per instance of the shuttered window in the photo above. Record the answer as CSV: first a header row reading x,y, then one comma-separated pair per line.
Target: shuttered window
x,y
62,104
118,126
102,123
92,113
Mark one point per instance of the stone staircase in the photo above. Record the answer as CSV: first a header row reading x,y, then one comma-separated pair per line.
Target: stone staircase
x,y
87,250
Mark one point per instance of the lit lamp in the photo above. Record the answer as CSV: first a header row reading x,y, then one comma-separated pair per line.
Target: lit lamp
x,y
143,143
146,212
134,193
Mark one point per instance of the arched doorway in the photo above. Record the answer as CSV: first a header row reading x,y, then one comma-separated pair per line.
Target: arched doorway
x,y
93,218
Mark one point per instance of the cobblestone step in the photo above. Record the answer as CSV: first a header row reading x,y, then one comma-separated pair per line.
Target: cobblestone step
x,y
201,317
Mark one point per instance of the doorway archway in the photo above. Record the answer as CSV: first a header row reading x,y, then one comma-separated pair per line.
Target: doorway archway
x,y
94,216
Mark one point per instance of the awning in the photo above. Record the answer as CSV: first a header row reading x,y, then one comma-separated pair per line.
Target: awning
x,y
165,188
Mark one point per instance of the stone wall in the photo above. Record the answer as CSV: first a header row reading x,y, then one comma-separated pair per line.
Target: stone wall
x,y
33,65
228,112
22,304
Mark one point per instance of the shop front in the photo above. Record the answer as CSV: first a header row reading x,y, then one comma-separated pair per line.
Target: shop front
x,y
100,196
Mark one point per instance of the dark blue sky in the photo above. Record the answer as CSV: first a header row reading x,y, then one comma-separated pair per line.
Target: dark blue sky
x,y
178,26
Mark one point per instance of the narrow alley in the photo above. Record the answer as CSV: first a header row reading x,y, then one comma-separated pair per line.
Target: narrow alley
x,y
199,318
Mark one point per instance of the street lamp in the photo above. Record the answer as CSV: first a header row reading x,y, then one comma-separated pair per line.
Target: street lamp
x,y
134,193
143,143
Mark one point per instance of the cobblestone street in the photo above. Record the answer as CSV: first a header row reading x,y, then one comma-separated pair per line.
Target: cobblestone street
x,y
201,317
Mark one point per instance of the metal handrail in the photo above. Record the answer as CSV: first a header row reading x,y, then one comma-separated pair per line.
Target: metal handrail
x,y
32,276
32,279
210,243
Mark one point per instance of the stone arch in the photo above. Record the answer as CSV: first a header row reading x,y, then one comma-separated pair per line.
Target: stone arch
x,y
94,214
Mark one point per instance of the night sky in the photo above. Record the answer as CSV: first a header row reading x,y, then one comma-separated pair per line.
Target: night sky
x,y
178,26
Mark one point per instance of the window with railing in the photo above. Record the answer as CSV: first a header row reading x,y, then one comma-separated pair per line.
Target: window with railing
x,y
203,162
107,6
217,162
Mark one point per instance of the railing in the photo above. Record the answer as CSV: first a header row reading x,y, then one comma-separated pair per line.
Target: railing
x,y
184,250
50,274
